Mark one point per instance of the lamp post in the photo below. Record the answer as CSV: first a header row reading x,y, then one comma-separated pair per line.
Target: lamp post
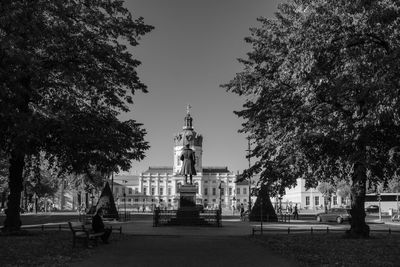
x,y
112,183
248,157
125,181
378,197
220,196
36,202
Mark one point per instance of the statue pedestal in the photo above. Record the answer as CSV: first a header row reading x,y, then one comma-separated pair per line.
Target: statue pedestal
x,y
188,214
187,196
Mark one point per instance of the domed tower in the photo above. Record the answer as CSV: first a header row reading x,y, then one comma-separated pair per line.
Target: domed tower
x,y
188,136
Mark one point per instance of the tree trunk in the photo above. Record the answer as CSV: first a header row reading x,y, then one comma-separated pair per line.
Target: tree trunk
x,y
358,188
12,222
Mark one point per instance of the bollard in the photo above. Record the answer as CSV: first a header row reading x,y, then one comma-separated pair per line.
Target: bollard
x,y
390,231
288,230
311,230
327,230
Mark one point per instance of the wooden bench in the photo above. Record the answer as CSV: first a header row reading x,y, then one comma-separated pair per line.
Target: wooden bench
x,y
80,232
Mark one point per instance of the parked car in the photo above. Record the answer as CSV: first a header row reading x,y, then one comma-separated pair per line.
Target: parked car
x,y
338,215
372,208
396,218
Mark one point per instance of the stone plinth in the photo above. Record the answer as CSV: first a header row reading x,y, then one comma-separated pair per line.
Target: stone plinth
x,y
187,196
187,213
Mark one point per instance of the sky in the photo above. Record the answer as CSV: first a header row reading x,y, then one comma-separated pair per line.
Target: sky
x,y
192,51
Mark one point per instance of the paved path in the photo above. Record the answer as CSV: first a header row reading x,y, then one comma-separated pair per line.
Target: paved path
x,y
185,251
186,246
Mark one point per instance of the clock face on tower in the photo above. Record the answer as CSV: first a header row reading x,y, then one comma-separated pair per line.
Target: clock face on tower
x,y
189,137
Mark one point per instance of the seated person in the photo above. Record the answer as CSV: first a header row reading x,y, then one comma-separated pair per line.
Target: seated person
x,y
98,226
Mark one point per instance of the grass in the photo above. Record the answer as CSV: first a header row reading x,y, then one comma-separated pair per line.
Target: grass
x,y
37,248
43,248
334,249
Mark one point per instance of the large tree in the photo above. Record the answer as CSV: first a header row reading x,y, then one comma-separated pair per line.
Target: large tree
x,y
323,81
65,75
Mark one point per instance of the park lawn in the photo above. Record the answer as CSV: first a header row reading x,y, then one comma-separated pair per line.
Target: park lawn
x,y
41,248
334,249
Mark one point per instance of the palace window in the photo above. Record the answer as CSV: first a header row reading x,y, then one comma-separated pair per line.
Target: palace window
x,y
144,190
153,190
307,201
334,200
161,190
169,191
244,191
214,191
316,201
116,190
230,191
130,191
205,191
222,191
238,191
136,190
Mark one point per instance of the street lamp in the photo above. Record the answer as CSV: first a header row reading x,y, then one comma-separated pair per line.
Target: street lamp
x,y
35,197
220,196
248,156
125,181
378,197
397,200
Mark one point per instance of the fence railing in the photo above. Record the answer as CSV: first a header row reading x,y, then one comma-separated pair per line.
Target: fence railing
x,y
206,217
313,230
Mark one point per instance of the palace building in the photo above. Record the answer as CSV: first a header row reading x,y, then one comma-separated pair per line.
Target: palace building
x,y
158,185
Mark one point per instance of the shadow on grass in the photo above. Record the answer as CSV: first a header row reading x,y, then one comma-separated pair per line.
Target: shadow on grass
x,y
335,249
37,248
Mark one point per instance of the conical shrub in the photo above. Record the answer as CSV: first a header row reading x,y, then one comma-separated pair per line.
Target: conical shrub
x,y
268,211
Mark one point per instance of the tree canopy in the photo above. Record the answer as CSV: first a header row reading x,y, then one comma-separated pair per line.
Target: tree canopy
x,y
66,73
322,90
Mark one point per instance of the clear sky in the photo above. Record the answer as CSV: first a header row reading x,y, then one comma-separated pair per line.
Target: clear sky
x,y
190,53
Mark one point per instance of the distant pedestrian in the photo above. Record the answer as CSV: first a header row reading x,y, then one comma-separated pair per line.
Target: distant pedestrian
x,y
295,213
241,211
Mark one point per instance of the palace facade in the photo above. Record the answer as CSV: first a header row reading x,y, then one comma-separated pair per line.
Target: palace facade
x,y
158,185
